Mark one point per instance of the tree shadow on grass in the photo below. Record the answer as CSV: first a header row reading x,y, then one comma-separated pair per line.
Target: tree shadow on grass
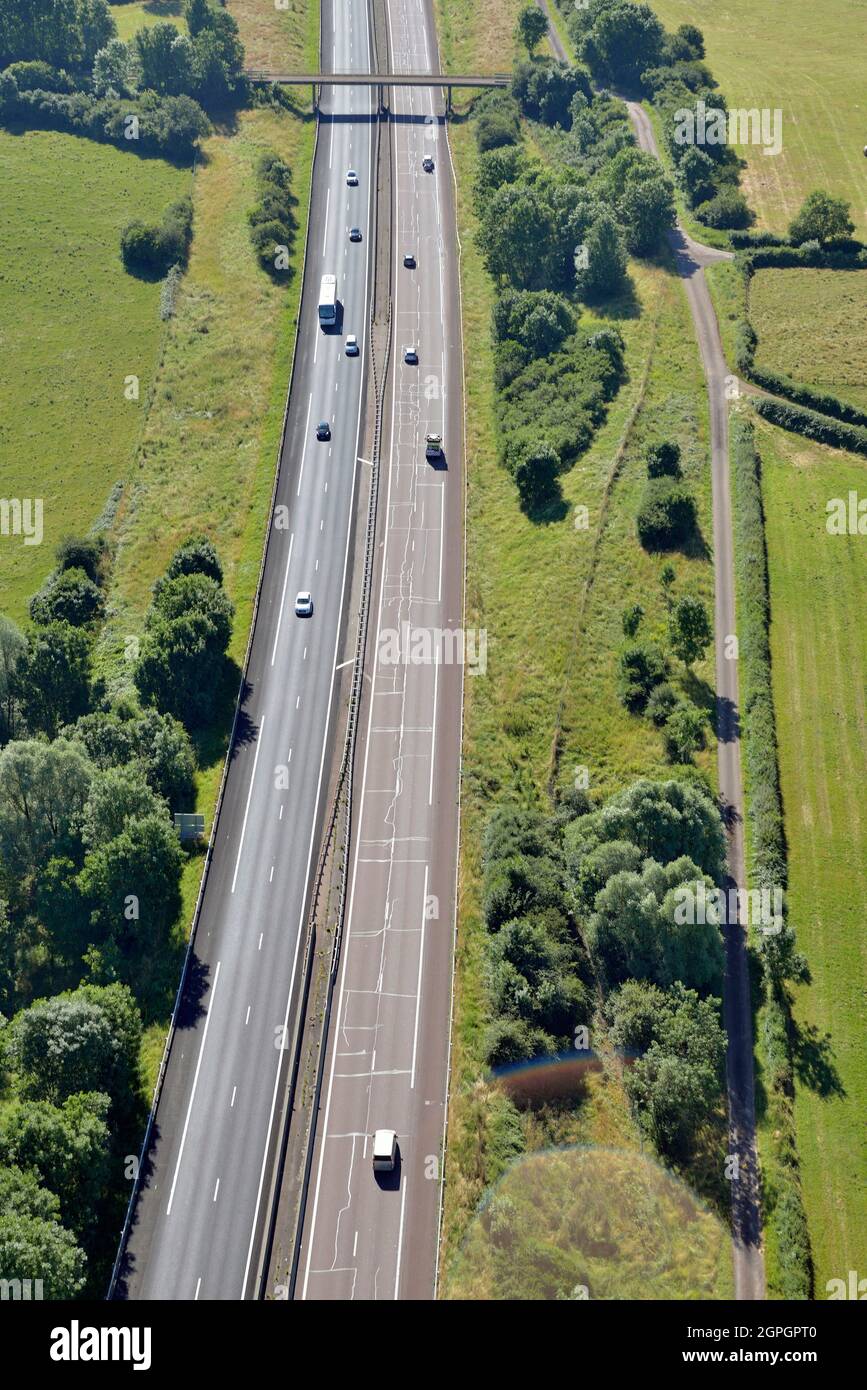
x,y
813,1061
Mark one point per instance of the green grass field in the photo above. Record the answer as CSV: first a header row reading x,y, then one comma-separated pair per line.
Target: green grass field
x,y
145,13
812,66
286,40
819,646
74,326
477,35
812,326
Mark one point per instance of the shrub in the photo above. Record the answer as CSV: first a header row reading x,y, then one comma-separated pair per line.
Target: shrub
x,y
662,701
668,515
70,597
631,619
729,208
663,460
88,553
272,222
538,320
536,476
496,128
684,732
641,669
155,249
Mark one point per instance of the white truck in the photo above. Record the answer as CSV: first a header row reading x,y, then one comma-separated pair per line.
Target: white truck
x,y
328,299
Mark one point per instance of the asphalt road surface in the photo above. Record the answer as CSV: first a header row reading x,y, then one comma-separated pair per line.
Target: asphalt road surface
x,y
373,1236
199,1217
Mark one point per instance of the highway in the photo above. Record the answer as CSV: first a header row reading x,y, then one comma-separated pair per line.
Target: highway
x,y
375,1236
197,1225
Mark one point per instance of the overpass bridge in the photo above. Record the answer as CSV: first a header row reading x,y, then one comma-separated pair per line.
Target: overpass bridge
x,y
316,80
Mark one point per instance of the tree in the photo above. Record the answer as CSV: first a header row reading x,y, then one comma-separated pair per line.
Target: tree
x,y
59,1047
88,553
157,743
634,930
84,1040
43,790
132,885
96,26
661,703
631,619
519,885
114,69
697,172
623,40
684,733
689,629
68,1146
516,232
34,1248
70,597
822,218
22,1194
666,820
641,668
12,647
188,629
536,477
117,795
52,677
727,209
165,59
198,15
668,515
663,460
539,320
532,27
600,264
493,169
647,212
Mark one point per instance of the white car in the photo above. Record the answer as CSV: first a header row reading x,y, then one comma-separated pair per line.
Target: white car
x,y
304,604
352,178
384,1151
351,348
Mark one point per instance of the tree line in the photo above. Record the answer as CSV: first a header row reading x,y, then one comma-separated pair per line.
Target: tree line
x,y
90,890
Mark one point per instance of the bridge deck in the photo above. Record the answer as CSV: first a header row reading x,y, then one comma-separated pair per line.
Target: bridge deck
x,y
381,79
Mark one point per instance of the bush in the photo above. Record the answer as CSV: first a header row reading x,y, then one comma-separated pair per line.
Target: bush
x,y
536,477
537,320
631,619
663,460
70,597
668,516
88,553
729,208
272,222
641,669
495,129
662,701
155,249
684,732
38,76
170,126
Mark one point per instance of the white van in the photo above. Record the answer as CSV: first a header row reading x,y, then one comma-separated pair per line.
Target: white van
x,y
384,1151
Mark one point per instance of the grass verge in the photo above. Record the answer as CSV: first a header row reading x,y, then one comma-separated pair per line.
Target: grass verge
x,y
75,325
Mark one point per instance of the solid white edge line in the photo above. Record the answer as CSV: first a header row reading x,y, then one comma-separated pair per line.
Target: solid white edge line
x,y
193,1092
249,795
283,598
418,984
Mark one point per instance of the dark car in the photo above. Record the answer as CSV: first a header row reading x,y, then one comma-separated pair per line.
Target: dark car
x,y
428,165
323,430
355,234
409,260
